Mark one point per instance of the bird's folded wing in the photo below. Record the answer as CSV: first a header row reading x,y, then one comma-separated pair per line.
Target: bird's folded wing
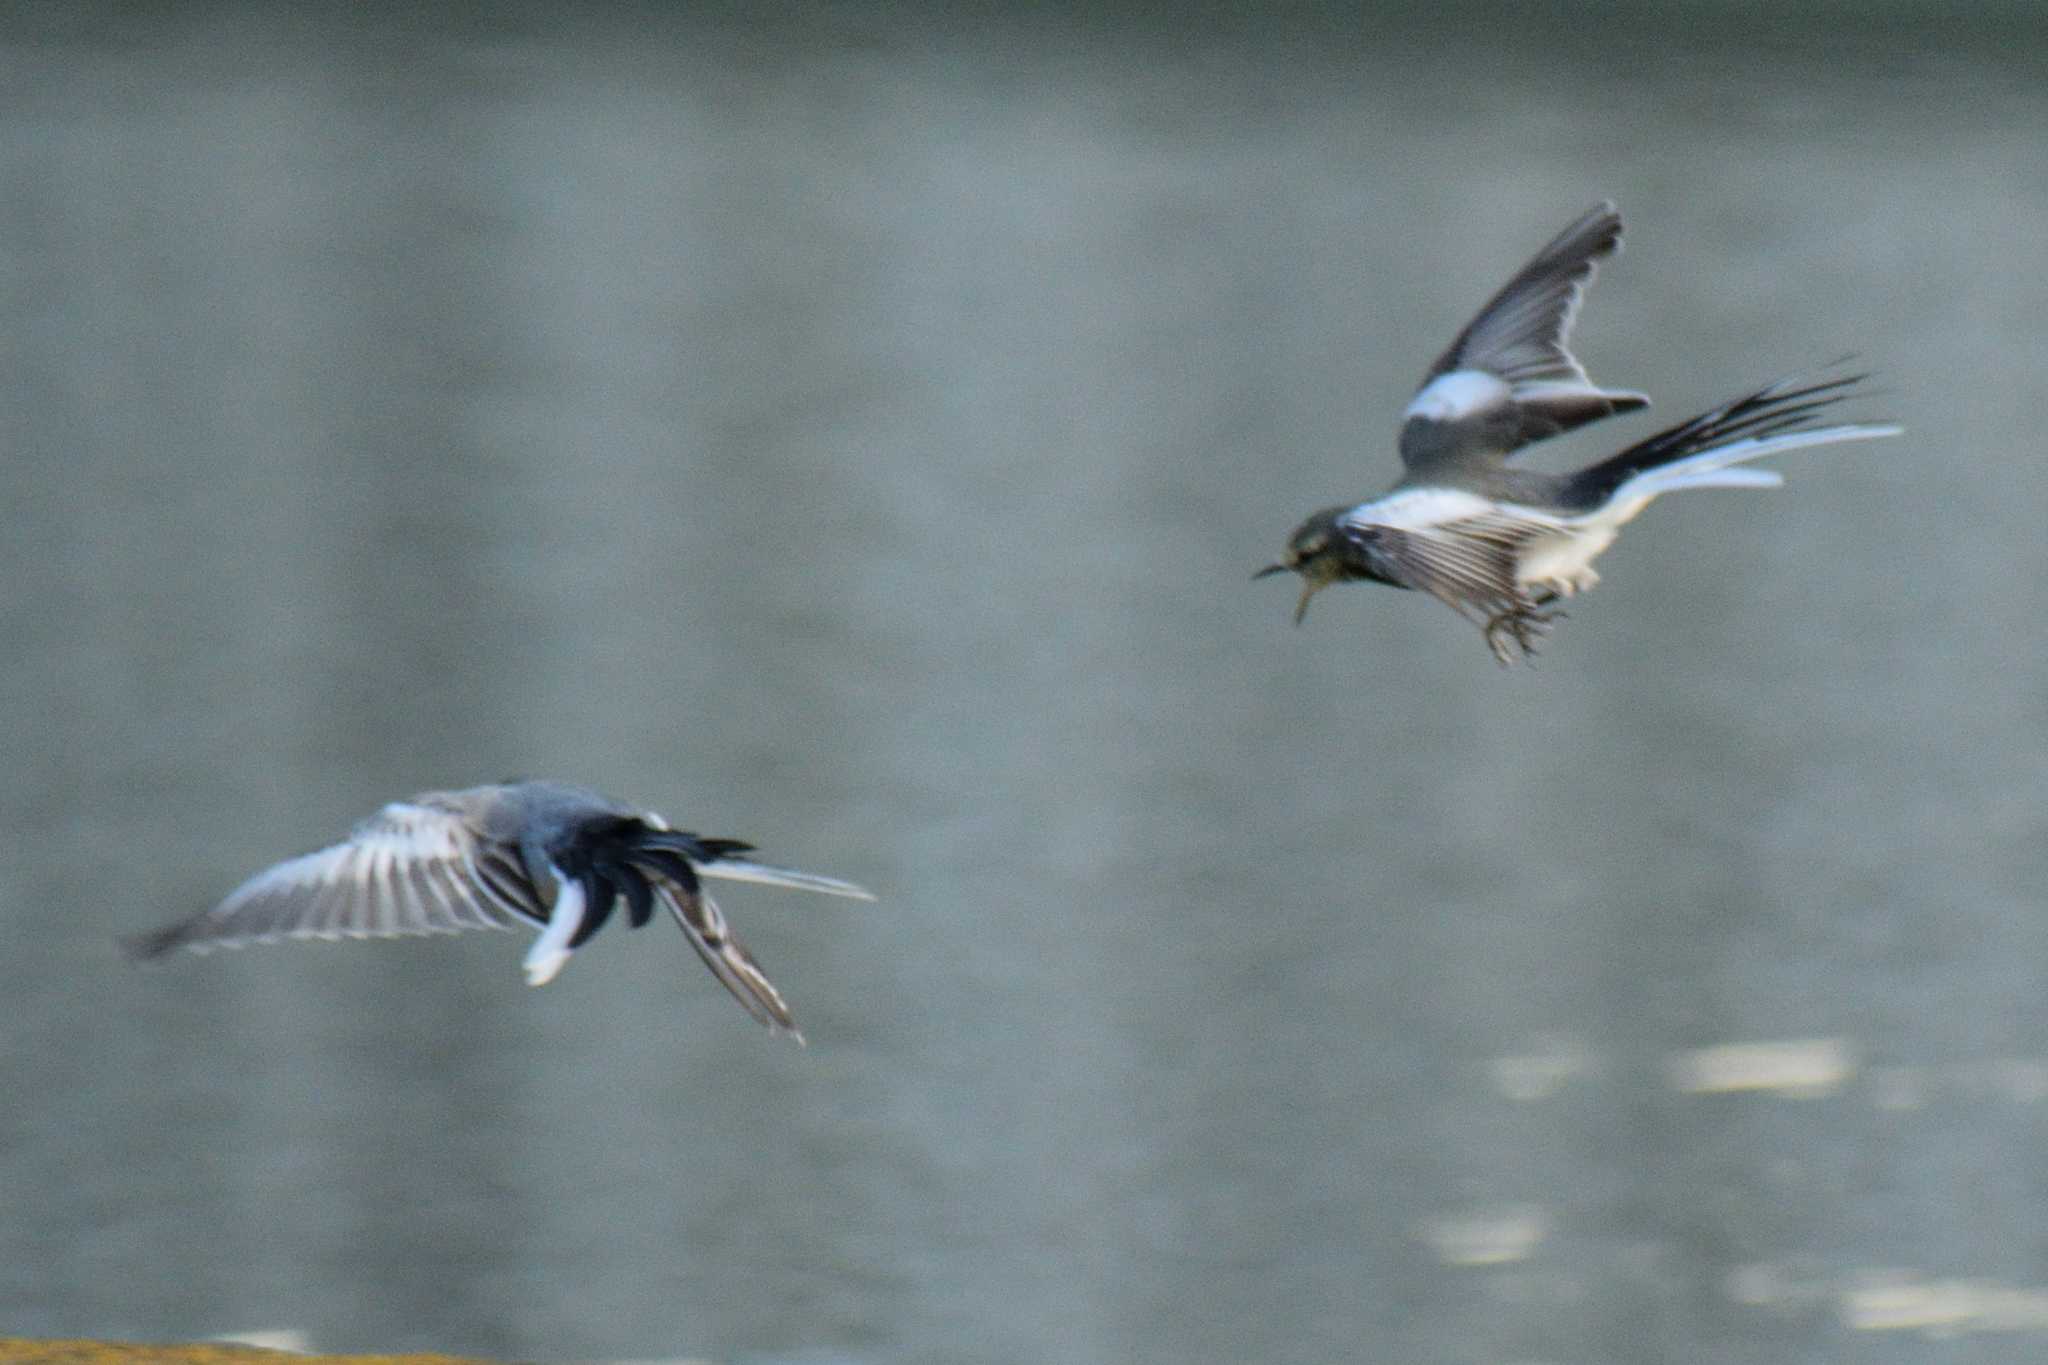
x,y
704,925
407,870
1469,565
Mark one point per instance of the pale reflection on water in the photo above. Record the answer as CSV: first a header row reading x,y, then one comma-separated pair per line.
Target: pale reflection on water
x,y
853,431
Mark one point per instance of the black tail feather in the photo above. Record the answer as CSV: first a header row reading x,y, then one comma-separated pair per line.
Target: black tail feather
x,y
639,898
614,859
690,846
672,866
1776,408
600,893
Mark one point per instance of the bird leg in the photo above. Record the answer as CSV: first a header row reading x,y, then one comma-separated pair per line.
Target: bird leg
x,y
1519,626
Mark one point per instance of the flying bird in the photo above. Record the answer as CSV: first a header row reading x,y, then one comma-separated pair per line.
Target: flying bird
x,y
1500,544
548,855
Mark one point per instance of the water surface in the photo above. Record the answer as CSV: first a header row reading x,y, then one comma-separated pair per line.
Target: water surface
x,y
853,432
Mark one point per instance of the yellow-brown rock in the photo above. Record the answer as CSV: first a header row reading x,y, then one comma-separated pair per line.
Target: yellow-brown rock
x,y
23,1351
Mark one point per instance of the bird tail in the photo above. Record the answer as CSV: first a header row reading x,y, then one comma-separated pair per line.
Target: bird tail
x,y
745,870
1705,451
725,858
670,864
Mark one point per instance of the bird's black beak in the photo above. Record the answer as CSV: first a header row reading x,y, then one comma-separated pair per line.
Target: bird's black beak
x,y
1269,571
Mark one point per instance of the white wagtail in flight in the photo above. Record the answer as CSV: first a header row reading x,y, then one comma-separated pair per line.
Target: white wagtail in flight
x,y
545,854
1498,543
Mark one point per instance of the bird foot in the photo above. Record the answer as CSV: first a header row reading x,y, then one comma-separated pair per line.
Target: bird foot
x,y
1519,628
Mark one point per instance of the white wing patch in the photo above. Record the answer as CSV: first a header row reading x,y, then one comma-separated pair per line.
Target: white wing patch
x,y
1458,395
1419,509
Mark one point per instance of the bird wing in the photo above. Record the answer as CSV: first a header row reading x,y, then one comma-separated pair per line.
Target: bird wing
x,y
1510,377
409,869
703,923
1468,564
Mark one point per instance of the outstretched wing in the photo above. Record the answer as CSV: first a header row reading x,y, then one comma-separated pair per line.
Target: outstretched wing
x,y
1510,378
407,870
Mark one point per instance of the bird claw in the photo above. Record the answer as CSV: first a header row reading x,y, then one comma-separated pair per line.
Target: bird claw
x,y
1521,627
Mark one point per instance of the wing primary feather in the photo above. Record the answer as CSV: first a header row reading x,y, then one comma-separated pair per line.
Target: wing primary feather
x,y
704,926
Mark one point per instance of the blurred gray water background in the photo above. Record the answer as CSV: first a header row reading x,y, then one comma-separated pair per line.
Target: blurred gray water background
x,y
851,428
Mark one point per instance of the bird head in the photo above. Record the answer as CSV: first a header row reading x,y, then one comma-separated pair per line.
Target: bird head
x,y
1312,552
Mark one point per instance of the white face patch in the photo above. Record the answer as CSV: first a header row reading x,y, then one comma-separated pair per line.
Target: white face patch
x,y
1458,395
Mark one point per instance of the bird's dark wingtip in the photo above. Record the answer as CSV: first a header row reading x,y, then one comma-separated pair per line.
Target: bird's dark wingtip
x,y
152,945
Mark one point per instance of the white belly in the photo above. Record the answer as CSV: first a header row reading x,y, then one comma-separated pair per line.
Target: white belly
x,y
1563,562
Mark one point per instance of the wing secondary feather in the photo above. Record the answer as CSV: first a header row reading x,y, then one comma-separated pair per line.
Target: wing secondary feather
x,y
407,870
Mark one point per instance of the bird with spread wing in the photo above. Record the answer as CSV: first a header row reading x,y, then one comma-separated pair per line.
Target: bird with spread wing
x,y
1501,544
